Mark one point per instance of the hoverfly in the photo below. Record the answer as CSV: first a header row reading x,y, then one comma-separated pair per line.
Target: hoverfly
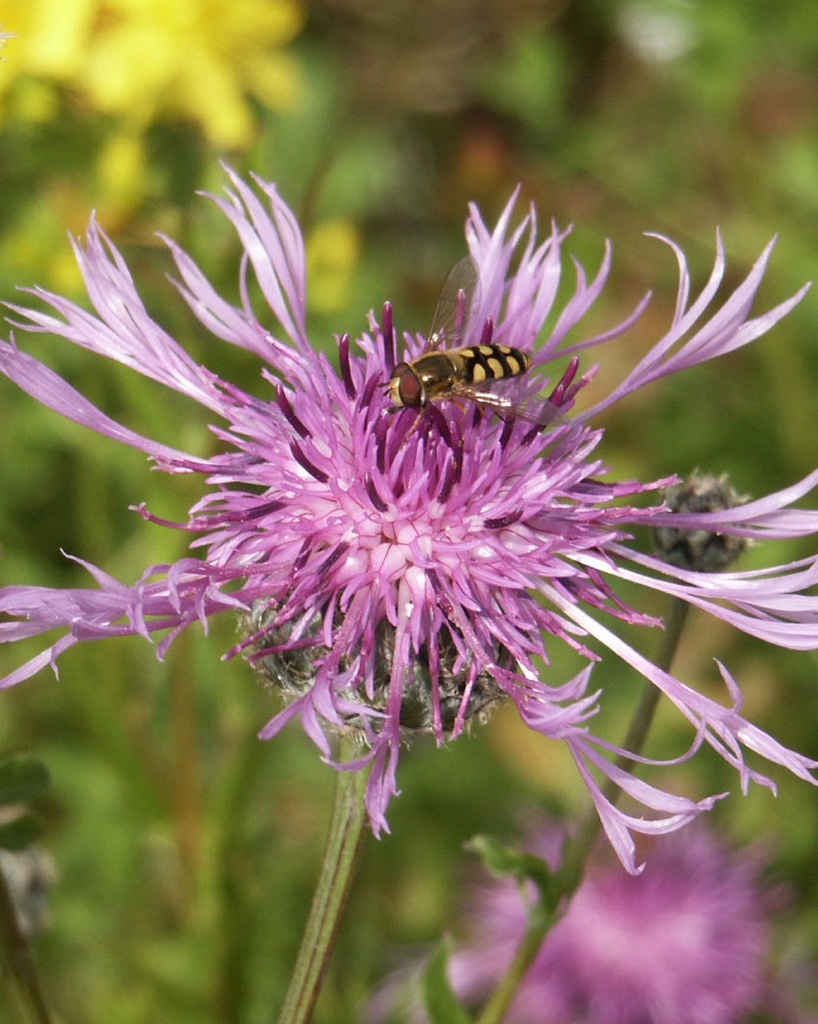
x,y
477,373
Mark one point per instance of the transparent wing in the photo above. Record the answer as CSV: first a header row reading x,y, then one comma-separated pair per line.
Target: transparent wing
x,y
455,306
499,397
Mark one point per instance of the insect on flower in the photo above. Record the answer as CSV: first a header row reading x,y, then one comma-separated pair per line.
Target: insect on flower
x,y
480,373
394,582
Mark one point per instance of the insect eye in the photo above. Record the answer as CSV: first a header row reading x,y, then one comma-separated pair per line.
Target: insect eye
x,y
408,387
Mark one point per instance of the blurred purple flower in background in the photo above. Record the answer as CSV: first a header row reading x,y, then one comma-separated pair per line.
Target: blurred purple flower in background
x,y
686,942
398,570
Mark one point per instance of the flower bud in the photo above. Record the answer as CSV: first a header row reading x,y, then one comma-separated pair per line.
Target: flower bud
x,y
700,550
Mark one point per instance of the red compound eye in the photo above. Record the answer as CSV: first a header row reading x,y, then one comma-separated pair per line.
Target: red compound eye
x,y
408,391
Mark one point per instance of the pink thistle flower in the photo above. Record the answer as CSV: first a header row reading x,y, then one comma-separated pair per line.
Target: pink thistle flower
x,y
386,564
686,942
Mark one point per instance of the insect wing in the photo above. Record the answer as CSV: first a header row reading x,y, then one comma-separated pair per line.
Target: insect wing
x,y
458,298
498,396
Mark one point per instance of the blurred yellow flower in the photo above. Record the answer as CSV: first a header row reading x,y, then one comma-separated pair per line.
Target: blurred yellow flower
x,y
35,250
144,59
333,251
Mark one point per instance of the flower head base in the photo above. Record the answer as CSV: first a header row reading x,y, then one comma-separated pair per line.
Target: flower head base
x,y
404,569
429,703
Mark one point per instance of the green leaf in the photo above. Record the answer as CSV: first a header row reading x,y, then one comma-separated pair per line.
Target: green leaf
x,y
503,860
20,833
22,779
442,1004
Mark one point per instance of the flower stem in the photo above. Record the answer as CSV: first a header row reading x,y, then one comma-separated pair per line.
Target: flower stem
x,y
541,919
552,904
572,865
341,855
17,969
643,718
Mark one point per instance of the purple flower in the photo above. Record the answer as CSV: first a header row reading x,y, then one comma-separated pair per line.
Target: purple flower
x,y
686,942
397,570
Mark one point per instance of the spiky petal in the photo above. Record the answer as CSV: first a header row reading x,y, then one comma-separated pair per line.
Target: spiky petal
x,y
397,571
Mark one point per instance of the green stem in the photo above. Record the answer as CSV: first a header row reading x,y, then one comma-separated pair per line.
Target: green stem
x,y
566,880
576,852
643,718
341,855
17,969
541,919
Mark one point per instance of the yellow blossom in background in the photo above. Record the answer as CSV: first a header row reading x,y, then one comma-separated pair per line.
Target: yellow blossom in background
x,y
333,251
199,60
36,250
84,82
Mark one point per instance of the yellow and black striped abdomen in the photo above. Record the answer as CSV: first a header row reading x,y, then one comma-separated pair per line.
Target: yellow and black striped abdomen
x,y
454,373
491,362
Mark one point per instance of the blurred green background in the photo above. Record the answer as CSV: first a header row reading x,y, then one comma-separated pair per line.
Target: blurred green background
x,y
185,848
